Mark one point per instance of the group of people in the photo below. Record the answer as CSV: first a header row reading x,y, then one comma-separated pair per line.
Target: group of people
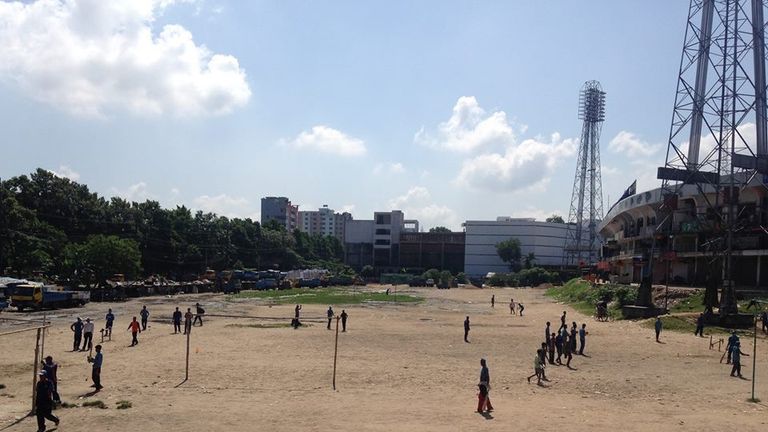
x,y
513,307
559,347
330,314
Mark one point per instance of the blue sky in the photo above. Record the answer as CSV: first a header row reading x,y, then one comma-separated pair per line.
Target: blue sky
x,y
448,110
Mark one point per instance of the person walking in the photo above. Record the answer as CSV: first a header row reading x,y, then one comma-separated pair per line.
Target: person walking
x,y
466,330
199,314
343,320
135,330
542,353
97,361
538,368
188,321
77,329
144,317
44,402
493,300
736,358
329,313
559,347
87,335
562,321
483,398
567,352
658,326
177,321
582,338
110,321
52,374
699,326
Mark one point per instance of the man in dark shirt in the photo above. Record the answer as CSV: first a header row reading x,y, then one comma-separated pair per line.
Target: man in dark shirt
x,y
52,375
199,315
562,321
330,316
733,340
699,326
484,399
77,327
110,318
736,356
177,321
144,317
343,320
188,321
582,338
466,329
44,402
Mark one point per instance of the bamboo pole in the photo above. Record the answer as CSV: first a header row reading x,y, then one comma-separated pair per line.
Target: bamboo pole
x,y
22,330
189,334
754,359
335,352
34,369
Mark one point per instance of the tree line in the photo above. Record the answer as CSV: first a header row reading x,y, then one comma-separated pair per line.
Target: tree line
x,y
59,227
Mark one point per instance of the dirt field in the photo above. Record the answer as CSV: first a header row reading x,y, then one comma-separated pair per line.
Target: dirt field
x,y
400,367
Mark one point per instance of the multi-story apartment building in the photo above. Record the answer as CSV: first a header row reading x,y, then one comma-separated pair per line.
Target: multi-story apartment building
x,y
377,242
324,221
281,210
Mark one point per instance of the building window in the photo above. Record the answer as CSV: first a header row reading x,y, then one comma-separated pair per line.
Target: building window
x,y
382,242
383,219
383,231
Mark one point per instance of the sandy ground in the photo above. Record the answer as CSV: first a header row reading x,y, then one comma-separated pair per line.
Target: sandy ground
x,y
400,367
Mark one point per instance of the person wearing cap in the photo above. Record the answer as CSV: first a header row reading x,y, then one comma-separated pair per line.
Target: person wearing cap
x,y
110,318
97,361
87,334
51,372
77,328
135,330
199,315
144,317
44,402
736,358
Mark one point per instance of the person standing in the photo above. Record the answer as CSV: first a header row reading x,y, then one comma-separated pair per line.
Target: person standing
x,y
551,348
466,330
177,321
583,337
330,316
764,319
559,346
567,352
44,402
87,334
546,333
733,340
484,399
736,357
493,300
658,326
77,328
144,317
572,339
188,321
699,326
343,320
97,361
199,315
562,321
512,306
52,374
110,319
135,330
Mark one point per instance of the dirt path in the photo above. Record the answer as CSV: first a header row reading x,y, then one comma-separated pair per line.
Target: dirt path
x,y
401,367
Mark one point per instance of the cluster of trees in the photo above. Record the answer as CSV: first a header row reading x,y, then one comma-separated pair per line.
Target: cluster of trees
x,y
523,270
59,227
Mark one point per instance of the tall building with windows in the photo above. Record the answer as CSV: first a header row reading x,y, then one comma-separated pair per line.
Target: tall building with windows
x,y
324,221
281,210
376,242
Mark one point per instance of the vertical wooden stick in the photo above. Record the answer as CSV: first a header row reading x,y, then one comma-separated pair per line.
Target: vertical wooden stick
x,y
189,333
34,369
335,352
754,359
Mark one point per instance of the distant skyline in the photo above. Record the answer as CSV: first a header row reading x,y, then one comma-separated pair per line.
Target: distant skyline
x,y
447,110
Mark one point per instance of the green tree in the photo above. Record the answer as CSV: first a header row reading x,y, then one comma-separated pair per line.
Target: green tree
x,y
529,260
104,256
555,218
439,229
366,271
509,252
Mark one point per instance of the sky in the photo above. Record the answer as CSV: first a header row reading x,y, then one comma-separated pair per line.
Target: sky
x,y
447,110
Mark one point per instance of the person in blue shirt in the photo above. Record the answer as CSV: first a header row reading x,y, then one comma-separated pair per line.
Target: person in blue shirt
x,y
582,338
77,328
733,339
110,317
97,361
736,357
658,325
144,317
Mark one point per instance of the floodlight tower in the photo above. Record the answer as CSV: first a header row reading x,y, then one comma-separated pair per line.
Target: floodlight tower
x,y
582,241
718,140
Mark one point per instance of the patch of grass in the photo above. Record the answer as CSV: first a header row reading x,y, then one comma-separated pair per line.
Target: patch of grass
x,y
68,405
261,326
693,303
95,404
583,297
326,296
124,404
684,324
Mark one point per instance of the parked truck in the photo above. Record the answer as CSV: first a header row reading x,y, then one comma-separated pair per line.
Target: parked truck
x,y
43,297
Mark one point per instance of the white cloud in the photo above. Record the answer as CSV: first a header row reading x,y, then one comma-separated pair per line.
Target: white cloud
x,y
95,57
137,192
66,172
470,128
225,205
391,168
537,213
347,208
328,140
417,204
522,166
631,145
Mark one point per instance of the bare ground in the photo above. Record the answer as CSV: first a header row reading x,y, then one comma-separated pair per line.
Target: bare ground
x,y
400,367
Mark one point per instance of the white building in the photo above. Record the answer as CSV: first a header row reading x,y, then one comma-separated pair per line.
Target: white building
x,y
545,239
324,221
376,242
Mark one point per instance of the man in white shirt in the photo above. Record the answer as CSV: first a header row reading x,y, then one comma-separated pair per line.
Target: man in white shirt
x,y
87,334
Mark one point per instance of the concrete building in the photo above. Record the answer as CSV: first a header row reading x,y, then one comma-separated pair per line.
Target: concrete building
x,y
545,239
426,250
324,221
280,210
376,242
689,251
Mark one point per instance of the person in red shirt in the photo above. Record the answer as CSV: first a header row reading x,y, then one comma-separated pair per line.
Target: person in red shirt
x,y
135,329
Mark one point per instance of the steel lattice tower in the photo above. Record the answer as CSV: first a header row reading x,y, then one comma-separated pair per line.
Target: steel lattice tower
x,y
582,241
717,141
